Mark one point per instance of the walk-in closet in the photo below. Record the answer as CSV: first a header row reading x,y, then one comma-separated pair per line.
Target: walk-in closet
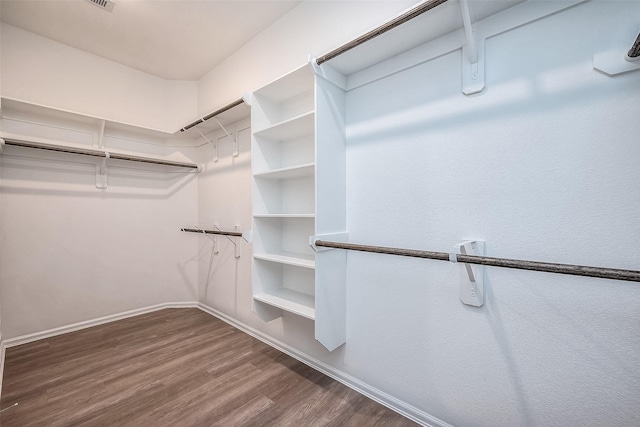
x,y
324,213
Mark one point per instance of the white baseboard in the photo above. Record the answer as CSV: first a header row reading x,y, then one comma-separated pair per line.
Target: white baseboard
x,y
24,339
390,402
3,351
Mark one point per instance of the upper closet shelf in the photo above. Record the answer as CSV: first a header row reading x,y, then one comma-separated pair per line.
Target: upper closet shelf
x,y
42,144
302,171
296,84
289,129
429,30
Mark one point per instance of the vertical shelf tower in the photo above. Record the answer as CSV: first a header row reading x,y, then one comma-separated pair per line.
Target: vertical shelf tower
x,y
298,191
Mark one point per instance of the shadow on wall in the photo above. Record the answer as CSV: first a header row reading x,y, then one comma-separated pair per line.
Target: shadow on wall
x,y
26,172
519,98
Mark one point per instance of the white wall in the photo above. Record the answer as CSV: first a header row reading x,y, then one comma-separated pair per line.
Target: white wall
x,y
70,252
311,28
44,72
224,192
543,166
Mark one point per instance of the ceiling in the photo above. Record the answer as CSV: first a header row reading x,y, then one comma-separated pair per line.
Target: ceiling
x,y
172,39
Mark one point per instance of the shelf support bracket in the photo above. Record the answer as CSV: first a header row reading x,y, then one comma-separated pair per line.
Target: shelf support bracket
x,y
215,145
101,134
473,80
101,171
338,237
235,243
472,280
618,61
236,147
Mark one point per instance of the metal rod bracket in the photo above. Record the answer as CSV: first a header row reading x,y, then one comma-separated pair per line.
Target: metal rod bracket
x,y
472,278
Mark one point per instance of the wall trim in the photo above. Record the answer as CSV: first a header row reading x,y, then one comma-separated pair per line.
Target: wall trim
x,y
365,389
3,351
24,339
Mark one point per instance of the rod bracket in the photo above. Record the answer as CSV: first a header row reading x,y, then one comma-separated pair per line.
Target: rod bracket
x,y
101,171
618,61
473,80
338,237
472,276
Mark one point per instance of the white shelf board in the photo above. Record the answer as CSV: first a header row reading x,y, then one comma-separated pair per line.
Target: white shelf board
x,y
444,19
293,128
284,215
290,258
288,86
291,301
299,171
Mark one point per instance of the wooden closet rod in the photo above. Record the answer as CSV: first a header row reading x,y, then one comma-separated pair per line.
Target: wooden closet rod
x,y
576,270
215,113
405,17
220,232
95,153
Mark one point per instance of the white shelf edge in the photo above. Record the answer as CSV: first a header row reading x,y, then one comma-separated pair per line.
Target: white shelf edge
x,y
287,259
284,123
285,171
255,215
46,144
287,305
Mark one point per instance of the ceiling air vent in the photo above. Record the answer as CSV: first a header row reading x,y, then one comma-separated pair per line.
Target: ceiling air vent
x,y
104,4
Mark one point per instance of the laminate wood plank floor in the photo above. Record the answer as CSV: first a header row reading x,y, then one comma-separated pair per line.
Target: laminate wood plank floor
x,y
174,367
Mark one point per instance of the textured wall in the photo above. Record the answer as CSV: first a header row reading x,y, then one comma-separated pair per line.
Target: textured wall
x,y
542,166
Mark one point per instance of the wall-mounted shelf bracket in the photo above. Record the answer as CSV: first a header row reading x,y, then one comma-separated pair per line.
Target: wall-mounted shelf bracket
x,y
235,243
101,172
473,80
472,278
338,237
214,144
236,147
615,62
328,73
100,142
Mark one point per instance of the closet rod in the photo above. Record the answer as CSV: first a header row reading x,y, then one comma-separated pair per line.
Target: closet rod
x,y
95,153
220,232
405,17
576,270
634,52
215,113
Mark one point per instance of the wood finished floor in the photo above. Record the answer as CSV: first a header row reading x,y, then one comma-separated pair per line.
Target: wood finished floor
x,y
174,367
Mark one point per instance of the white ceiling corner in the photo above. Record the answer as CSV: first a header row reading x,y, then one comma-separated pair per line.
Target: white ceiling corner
x,y
171,39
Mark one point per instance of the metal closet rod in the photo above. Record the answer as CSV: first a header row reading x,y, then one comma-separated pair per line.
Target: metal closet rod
x,y
220,232
95,153
575,270
405,17
215,113
634,52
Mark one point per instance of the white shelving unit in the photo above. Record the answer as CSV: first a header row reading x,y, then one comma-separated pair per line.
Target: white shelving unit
x,y
298,161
